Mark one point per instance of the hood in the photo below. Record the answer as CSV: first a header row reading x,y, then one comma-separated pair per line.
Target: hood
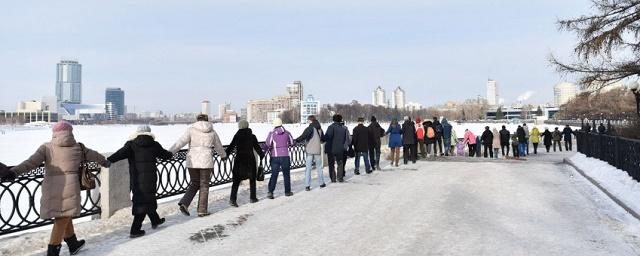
x,y
279,130
144,140
316,124
136,134
203,126
63,139
444,122
495,130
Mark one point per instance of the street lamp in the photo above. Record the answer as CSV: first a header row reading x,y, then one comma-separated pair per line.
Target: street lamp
x,y
635,88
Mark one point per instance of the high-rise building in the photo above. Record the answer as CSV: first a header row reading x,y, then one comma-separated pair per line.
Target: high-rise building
x,y
206,108
563,93
114,102
379,97
399,98
492,92
295,91
69,82
222,109
309,107
267,110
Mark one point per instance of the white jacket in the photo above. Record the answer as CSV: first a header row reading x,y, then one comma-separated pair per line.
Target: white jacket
x,y
202,140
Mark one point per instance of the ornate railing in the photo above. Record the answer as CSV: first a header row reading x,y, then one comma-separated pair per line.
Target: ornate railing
x,y
173,179
620,152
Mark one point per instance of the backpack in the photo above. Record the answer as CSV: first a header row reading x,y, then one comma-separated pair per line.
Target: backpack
x,y
420,133
431,134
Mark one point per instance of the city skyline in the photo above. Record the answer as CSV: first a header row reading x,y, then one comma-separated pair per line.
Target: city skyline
x,y
255,57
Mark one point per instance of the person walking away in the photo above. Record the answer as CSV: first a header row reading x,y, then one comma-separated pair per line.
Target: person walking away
x,y
522,139
601,129
395,141
470,139
496,143
429,137
409,140
437,126
361,145
446,136
515,144
505,136
141,150
454,141
60,199
337,143
487,141
420,136
376,132
534,136
547,138
557,137
527,136
278,142
248,156
313,139
567,132
202,140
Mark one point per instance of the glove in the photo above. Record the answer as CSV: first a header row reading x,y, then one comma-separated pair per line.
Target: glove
x,y
6,174
106,164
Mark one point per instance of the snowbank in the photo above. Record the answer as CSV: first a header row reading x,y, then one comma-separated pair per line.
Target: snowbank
x,y
617,182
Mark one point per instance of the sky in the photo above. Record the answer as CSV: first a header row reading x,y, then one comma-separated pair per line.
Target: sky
x,y
171,55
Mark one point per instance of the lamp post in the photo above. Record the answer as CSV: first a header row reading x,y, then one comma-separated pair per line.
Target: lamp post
x,y
635,88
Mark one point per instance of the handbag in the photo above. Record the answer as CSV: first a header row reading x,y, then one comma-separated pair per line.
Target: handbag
x,y
86,179
260,176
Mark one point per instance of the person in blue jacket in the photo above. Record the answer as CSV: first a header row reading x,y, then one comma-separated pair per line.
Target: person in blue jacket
x,y
395,141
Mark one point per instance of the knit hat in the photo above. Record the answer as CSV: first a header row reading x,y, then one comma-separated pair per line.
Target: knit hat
x,y
143,129
277,122
62,126
243,124
406,118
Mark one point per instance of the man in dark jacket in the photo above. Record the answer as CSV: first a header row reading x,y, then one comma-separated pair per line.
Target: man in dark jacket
x,y
376,132
547,138
361,143
409,140
437,127
567,132
337,142
446,136
557,137
487,142
142,151
505,136
522,141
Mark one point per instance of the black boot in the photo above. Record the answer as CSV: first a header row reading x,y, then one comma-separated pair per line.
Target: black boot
x,y
160,222
53,250
136,233
74,245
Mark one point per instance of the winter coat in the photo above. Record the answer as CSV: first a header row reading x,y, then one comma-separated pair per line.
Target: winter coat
x,y
61,187
566,132
248,154
534,136
313,138
4,171
547,137
142,151
361,138
376,133
514,140
496,138
278,142
437,127
487,137
409,133
395,136
526,132
446,129
602,129
454,137
505,136
202,141
337,140
557,135
522,135
469,138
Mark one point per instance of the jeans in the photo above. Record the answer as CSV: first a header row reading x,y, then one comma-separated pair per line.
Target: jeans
x,y
522,149
319,168
282,163
409,152
374,156
437,145
488,149
503,146
472,150
365,155
567,145
526,146
557,142
515,151
139,218
199,183
447,146
496,152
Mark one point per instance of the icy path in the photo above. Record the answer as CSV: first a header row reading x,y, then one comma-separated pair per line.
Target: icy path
x,y
534,207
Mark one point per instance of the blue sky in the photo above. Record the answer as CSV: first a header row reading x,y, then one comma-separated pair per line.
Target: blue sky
x,y
170,55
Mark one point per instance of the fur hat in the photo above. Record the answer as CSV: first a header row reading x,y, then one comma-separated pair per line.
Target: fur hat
x,y
277,122
62,126
243,124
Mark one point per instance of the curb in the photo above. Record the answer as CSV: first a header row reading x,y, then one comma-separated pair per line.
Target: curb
x,y
606,192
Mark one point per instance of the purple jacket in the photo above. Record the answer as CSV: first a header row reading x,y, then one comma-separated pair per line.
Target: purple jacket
x,y
278,142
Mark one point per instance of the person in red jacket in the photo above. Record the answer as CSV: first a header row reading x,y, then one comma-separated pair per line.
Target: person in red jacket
x,y
420,135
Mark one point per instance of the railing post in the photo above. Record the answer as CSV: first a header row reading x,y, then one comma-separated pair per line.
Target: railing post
x,y
616,153
115,191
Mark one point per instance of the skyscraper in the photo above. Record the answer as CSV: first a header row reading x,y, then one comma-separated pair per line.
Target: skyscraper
x,y
399,98
379,97
114,102
206,108
492,92
563,93
69,82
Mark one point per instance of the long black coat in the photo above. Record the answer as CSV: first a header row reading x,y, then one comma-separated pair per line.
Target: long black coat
x,y
376,133
522,136
505,135
409,136
487,138
547,137
244,164
142,153
361,138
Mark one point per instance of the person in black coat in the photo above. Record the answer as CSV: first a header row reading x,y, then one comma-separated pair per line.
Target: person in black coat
x,y
547,139
246,161
361,137
602,129
566,133
142,151
376,132
522,140
437,127
409,140
505,136
6,174
337,142
487,142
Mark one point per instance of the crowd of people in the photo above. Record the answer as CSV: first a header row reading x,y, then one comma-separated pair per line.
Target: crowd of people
x,y
62,157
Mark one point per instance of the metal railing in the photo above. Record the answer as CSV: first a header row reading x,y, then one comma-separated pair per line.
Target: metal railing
x,y
173,179
620,152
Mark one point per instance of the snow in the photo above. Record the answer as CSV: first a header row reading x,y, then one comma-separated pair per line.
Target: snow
x,y
454,207
617,182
